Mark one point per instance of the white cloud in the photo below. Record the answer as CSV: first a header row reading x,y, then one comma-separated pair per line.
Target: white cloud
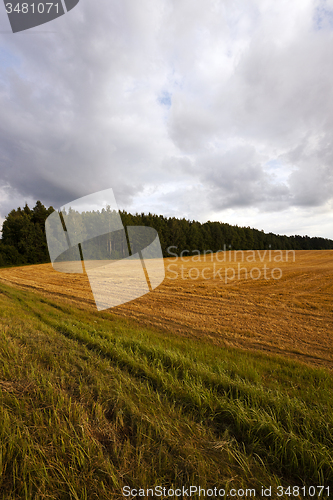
x,y
189,108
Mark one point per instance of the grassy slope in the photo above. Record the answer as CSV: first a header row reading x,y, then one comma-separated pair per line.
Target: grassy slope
x,y
90,404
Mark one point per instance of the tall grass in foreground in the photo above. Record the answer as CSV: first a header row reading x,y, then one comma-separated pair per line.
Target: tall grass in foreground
x,y
90,403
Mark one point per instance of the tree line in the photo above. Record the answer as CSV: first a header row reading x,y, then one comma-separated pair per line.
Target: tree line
x,y
24,241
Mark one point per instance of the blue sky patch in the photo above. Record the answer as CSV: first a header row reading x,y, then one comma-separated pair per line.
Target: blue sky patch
x,y
165,99
323,17
7,60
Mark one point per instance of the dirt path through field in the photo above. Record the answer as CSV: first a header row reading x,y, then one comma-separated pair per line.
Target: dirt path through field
x,y
238,302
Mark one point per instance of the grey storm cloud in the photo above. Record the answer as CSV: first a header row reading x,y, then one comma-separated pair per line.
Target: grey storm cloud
x,y
237,179
182,107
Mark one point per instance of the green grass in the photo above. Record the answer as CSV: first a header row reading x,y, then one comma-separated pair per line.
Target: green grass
x,y
91,403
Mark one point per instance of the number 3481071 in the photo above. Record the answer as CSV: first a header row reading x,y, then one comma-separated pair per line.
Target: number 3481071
x,y
33,8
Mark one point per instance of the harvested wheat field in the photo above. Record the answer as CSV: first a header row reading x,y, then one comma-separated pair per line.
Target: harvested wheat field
x,y
274,301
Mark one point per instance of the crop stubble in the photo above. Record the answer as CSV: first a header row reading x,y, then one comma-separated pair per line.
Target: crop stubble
x,y
290,316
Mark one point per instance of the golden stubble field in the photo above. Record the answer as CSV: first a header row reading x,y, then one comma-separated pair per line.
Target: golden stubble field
x,y
287,312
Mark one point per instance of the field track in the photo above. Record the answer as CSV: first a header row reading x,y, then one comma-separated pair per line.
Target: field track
x,y
291,315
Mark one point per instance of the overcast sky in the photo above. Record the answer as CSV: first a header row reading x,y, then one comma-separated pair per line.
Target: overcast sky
x,y
203,109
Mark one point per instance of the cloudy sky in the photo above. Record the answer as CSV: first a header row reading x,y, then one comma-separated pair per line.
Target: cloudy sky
x,y
203,109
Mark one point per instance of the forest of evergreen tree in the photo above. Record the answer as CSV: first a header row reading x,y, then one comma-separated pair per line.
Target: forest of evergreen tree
x,y
24,242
